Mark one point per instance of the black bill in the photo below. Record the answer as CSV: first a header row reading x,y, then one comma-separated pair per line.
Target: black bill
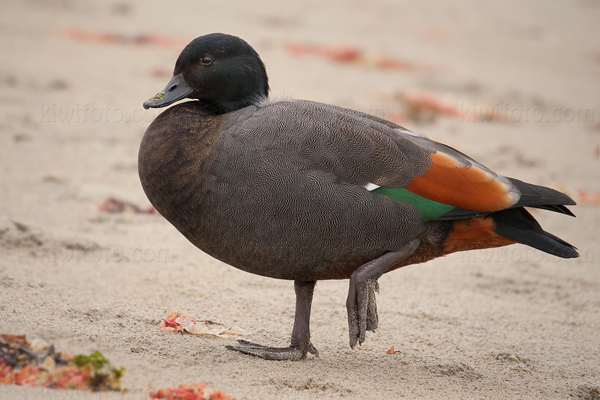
x,y
175,90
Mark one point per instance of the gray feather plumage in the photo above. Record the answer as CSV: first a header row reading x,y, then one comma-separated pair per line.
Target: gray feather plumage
x,y
284,185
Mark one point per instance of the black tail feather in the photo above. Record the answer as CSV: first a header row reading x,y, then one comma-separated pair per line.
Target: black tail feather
x,y
556,208
519,225
542,197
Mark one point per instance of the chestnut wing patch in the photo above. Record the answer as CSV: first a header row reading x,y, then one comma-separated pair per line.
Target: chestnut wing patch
x,y
451,184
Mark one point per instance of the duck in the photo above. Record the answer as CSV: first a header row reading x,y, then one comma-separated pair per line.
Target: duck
x,y
305,191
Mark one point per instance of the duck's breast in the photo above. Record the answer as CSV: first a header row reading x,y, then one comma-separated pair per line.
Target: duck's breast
x,y
173,162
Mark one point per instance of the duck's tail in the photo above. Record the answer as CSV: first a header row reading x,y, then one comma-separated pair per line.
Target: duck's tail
x,y
519,225
501,228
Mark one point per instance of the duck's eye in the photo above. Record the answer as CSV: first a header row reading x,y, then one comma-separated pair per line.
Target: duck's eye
x,y
206,60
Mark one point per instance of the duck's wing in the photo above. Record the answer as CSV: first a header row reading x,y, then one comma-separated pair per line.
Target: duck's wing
x,y
390,160
455,186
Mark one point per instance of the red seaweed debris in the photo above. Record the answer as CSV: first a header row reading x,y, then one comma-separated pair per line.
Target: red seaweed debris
x,y
350,54
38,364
82,35
113,205
190,391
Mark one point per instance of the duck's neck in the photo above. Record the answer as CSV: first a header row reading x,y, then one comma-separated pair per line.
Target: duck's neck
x,y
226,107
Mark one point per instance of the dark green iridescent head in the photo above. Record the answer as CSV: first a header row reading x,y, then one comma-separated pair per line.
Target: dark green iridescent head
x,y
222,71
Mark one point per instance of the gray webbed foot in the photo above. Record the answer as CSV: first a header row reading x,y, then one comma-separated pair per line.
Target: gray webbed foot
x,y
300,342
362,309
361,303
291,353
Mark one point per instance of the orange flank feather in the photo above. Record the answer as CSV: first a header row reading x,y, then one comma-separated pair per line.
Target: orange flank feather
x,y
472,234
469,187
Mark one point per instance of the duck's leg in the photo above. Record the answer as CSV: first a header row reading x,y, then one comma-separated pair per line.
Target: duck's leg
x,y
300,343
361,305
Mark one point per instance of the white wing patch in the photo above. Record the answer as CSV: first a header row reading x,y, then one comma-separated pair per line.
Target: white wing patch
x,y
371,186
411,133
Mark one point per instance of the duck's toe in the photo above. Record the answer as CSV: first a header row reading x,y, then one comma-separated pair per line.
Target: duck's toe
x,y
291,353
372,317
362,310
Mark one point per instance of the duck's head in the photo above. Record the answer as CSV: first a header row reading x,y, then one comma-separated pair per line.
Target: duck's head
x,y
222,71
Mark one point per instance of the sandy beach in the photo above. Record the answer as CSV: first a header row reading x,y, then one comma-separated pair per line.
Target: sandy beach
x,y
513,85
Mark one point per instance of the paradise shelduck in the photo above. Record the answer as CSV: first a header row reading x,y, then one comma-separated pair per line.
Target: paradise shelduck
x,y
305,191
